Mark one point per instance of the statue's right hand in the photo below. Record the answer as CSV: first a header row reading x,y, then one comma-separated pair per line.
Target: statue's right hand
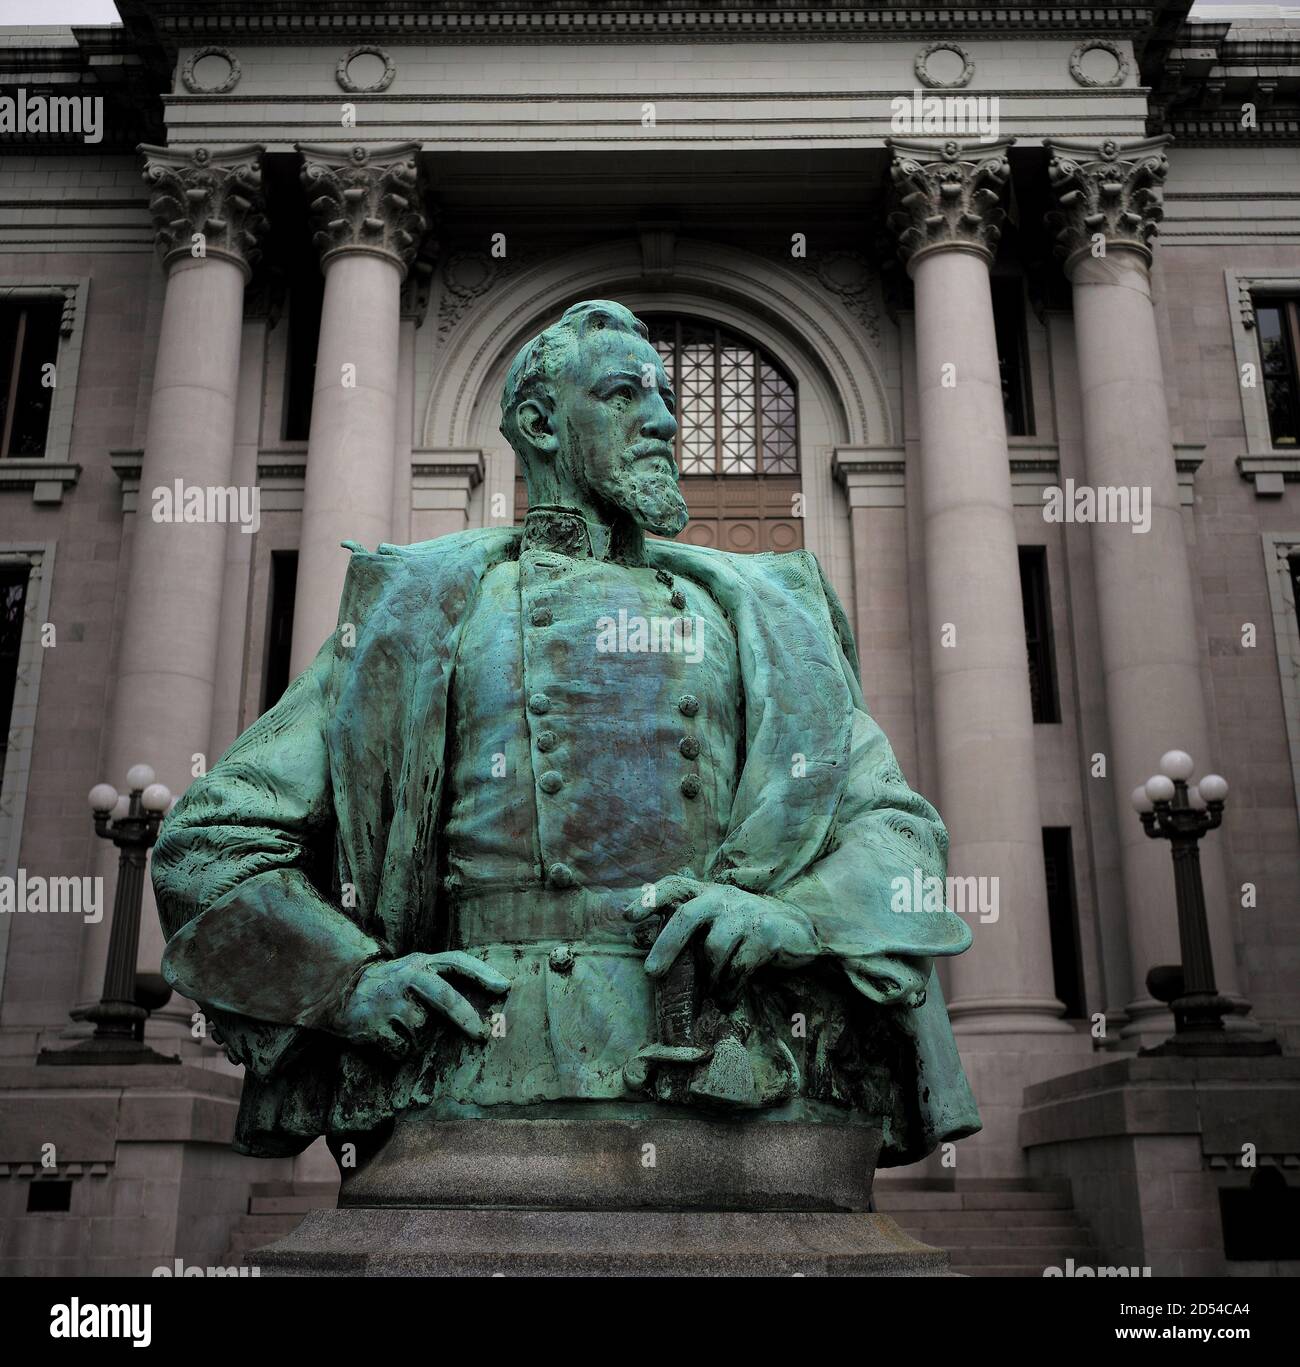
x,y
391,1002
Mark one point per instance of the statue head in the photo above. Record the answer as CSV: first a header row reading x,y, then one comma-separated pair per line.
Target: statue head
x,y
588,409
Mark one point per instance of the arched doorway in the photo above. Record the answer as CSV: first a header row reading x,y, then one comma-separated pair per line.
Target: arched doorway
x,y
737,440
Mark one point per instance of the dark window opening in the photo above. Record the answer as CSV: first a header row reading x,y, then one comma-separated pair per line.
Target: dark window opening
x,y
1037,604
306,293
1013,354
1261,1222
49,1195
279,627
1278,324
1063,919
1293,566
13,600
29,341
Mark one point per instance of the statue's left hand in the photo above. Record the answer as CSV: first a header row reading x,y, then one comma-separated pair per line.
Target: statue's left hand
x,y
746,932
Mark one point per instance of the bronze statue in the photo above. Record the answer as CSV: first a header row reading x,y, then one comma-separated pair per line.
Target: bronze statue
x,y
570,814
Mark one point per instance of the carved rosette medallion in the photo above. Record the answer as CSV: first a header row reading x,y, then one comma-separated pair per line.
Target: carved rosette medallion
x,y
365,200
947,195
1110,189
206,203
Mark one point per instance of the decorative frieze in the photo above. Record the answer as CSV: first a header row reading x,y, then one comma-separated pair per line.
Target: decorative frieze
x,y
206,203
365,200
947,195
1108,192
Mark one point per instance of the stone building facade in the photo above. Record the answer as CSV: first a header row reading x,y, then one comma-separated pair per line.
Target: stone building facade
x,y
923,274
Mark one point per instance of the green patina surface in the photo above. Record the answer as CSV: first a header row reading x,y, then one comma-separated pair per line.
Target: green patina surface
x,y
500,848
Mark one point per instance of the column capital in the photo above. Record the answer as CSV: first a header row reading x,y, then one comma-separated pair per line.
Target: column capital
x,y
948,196
365,200
1109,190
214,196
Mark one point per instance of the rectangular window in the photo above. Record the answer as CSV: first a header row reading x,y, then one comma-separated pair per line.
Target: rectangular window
x,y
1278,324
1037,604
1013,354
29,341
279,627
13,599
1063,918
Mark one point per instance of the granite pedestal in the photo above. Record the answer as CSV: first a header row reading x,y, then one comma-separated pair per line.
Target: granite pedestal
x,y
607,1197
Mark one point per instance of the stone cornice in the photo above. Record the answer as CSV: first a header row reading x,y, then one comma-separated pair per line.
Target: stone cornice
x,y
177,24
365,199
213,195
947,195
1110,189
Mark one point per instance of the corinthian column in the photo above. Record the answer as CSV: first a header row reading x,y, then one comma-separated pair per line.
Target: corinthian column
x,y
365,208
1109,197
207,213
948,221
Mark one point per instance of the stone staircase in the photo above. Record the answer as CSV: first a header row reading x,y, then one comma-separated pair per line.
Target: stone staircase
x,y
274,1209
991,1227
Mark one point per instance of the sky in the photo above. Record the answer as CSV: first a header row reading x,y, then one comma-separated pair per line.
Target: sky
x,y
105,12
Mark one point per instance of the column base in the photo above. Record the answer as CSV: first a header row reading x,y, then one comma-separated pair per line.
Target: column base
x,y
1008,1016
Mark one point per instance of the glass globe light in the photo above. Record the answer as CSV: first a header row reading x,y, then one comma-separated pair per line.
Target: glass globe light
x,y
1214,787
102,798
1194,798
1160,788
1141,802
139,776
156,797
1177,764
121,808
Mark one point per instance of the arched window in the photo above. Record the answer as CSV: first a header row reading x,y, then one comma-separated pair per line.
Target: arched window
x,y
736,409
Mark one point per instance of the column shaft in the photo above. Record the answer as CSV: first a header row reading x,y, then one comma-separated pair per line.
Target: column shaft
x,y
1145,606
948,224
984,735
349,485
163,686
365,205
1150,645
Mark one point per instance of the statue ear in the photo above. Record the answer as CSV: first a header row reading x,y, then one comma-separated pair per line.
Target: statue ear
x,y
533,419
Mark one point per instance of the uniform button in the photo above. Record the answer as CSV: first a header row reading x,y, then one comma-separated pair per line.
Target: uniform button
x,y
541,617
679,600
691,785
688,704
539,703
561,876
689,746
546,741
561,958
551,781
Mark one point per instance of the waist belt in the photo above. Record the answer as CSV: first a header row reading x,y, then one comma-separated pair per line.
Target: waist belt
x,y
535,915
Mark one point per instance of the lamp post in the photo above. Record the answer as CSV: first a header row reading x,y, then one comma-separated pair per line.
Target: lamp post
x,y
131,822
1174,809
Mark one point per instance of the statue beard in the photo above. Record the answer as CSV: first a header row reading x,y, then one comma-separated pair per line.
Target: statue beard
x,y
653,500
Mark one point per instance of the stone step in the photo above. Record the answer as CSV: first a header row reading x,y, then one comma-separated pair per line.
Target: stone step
x,y
894,1201
1071,1236
254,1231
887,1183
984,1219
974,1259
995,1270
